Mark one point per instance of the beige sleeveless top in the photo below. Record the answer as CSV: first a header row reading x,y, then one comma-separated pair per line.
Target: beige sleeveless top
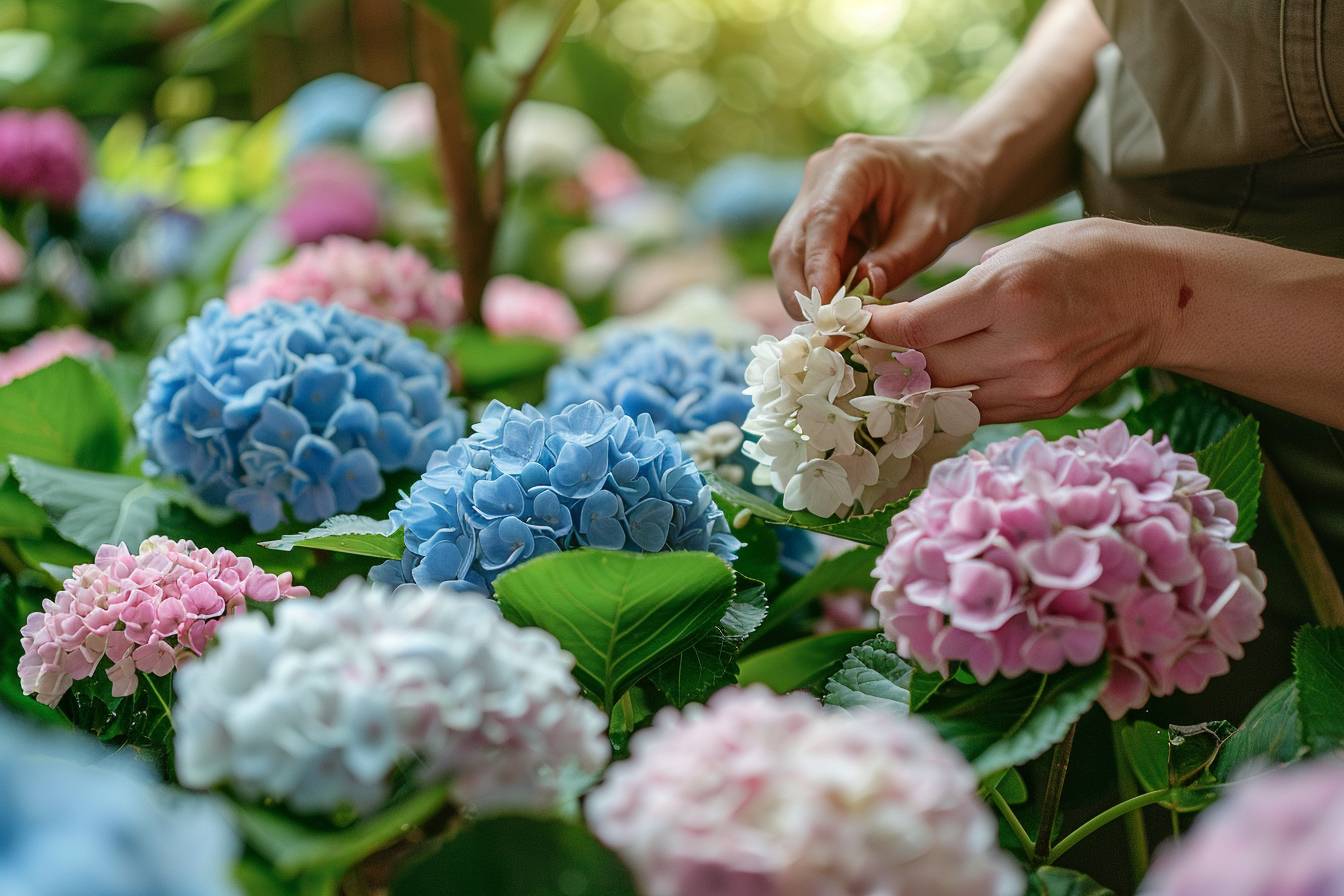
x,y
1228,115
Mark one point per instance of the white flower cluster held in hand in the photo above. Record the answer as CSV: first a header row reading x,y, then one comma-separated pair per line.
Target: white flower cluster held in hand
x,y
843,418
320,709
755,793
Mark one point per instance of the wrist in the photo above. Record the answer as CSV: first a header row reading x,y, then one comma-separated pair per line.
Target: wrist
x,y
1161,281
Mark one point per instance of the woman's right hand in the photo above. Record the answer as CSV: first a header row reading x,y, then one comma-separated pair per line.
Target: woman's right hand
x,y
888,204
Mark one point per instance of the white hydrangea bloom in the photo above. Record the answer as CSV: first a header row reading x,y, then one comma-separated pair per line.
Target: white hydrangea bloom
x,y
318,709
757,793
844,419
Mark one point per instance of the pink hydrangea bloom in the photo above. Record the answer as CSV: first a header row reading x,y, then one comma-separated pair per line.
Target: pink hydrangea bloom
x,y
144,612
1034,555
1278,834
44,156
13,260
608,174
513,306
48,347
756,794
372,278
333,192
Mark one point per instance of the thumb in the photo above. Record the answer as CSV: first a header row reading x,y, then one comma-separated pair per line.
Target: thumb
x,y
948,313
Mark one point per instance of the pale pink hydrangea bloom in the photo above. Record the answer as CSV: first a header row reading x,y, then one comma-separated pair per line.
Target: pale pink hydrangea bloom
x,y
48,347
1035,555
333,192
1278,834
371,278
608,174
760,795
513,306
13,260
146,612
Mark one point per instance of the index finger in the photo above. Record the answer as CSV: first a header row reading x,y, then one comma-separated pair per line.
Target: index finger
x,y
950,312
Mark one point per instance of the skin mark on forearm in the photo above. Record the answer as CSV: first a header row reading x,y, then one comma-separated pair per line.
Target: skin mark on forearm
x,y
1184,296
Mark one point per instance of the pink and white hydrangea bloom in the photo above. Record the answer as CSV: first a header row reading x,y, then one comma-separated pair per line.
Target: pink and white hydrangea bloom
x,y
513,306
145,612
844,419
372,278
321,709
13,260
760,794
1034,555
1277,834
48,347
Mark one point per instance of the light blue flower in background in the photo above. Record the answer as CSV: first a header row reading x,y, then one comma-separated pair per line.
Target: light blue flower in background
x,y
746,192
76,820
294,405
331,109
525,484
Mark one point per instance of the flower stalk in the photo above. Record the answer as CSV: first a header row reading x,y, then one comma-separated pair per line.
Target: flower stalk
x,y
1054,791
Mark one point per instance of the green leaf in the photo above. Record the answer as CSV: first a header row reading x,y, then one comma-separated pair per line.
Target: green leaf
x,y
870,529
93,509
851,570
1012,720
19,516
801,663
1270,733
1051,881
294,848
711,662
518,856
1012,787
16,602
471,18
1146,748
486,361
621,614
1193,417
347,534
1233,465
758,558
1318,658
874,676
64,414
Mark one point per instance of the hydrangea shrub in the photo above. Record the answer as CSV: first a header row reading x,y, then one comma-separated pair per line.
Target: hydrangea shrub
x,y
756,793
527,483
146,612
293,406
1032,555
78,821
320,708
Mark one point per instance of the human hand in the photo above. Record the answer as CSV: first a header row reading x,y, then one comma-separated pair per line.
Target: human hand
x,y
890,205
1046,320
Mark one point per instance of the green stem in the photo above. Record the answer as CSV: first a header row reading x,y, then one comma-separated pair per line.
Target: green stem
x,y
1136,834
1054,791
1175,826
1011,817
1103,819
11,559
167,711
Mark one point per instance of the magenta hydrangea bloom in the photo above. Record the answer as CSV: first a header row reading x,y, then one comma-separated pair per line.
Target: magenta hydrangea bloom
x,y
48,347
513,306
1278,834
372,278
334,192
1034,555
44,156
144,612
755,794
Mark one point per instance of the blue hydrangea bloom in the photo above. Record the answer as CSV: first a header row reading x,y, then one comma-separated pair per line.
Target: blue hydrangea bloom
x,y
746,192
525,484
108,217
294,404
330,109
77,821
683,380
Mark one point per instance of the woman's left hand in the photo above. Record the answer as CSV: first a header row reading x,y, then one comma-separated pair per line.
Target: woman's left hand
x,y
1046,320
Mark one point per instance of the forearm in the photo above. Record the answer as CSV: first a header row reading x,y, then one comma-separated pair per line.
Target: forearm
x,y
1019,135
1256,319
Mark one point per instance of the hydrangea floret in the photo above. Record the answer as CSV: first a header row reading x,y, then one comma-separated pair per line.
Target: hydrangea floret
x,y
294,405
147,612
81,821
683,380
527,483
845,419
1032,555
1275,834
372,278
323,709
757,793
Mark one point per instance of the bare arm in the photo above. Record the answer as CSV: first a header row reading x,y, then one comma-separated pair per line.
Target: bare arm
x,y
893,204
